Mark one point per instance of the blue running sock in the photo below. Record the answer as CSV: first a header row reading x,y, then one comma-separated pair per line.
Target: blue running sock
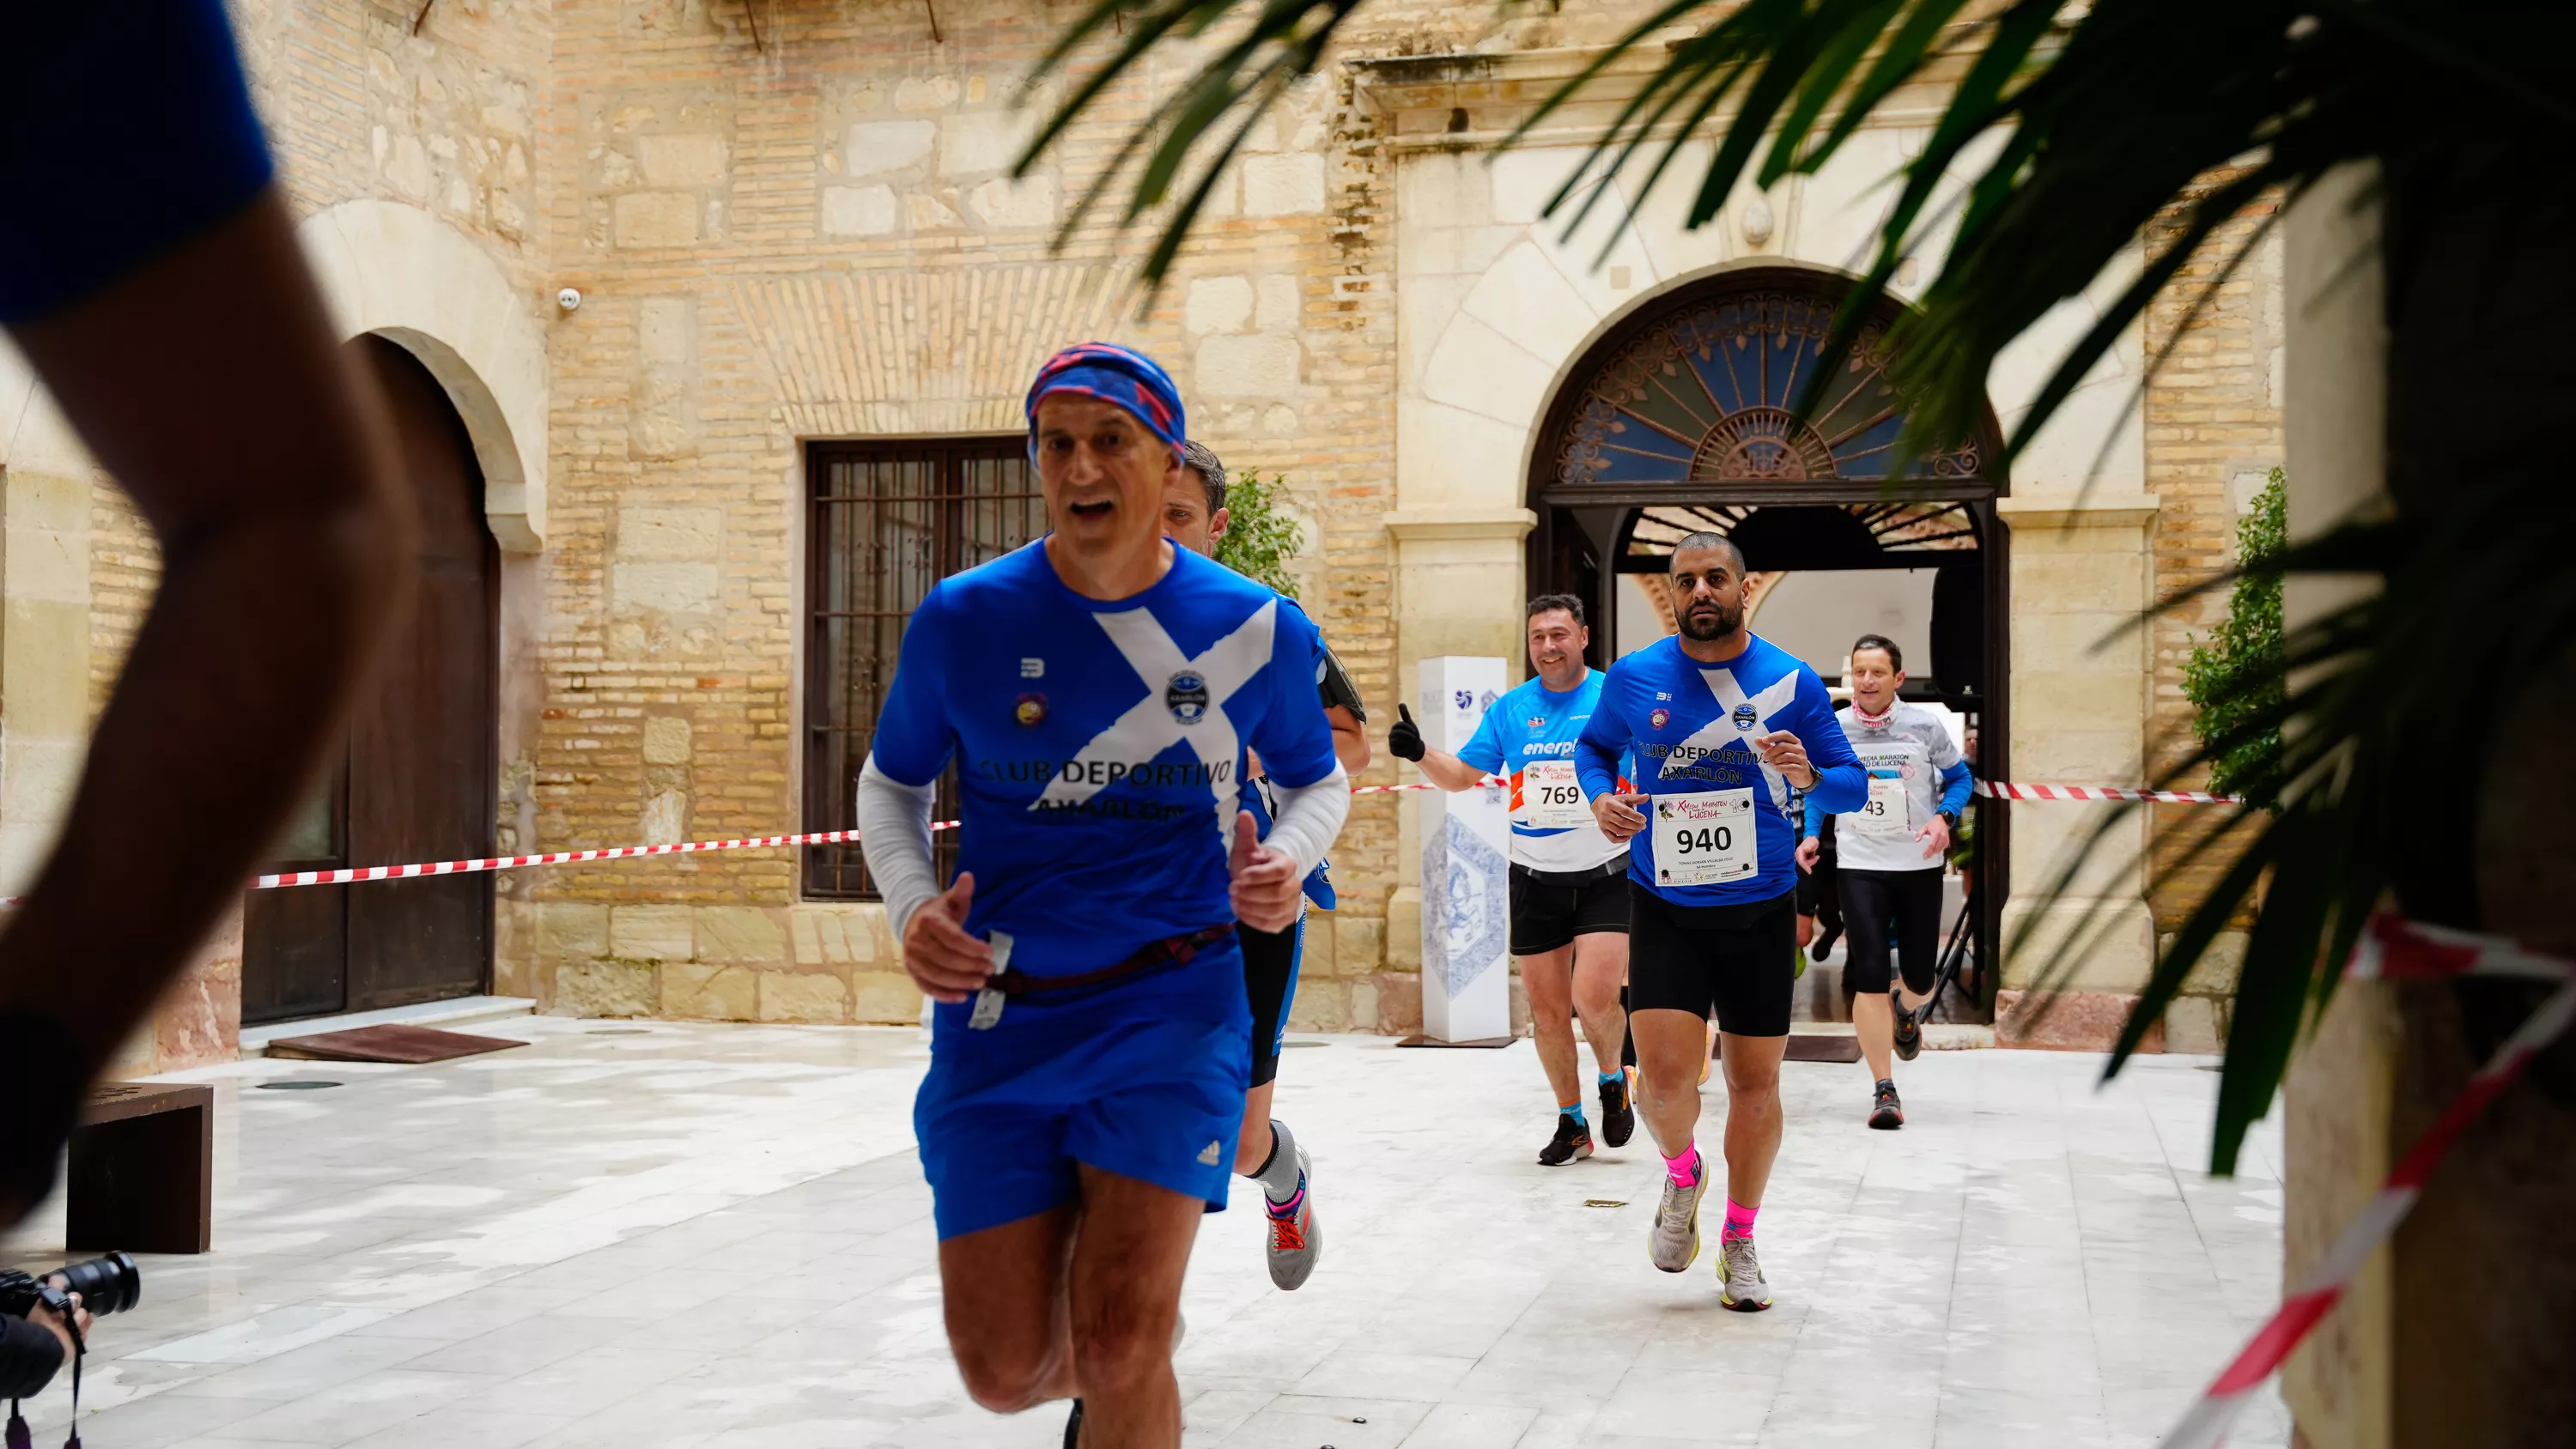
x,y
1607,1078
1574,1110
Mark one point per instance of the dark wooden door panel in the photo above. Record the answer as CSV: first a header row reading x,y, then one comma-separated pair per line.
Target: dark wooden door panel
x,y
418,780
295,952
421,778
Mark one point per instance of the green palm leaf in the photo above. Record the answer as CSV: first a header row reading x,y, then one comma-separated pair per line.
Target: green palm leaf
x,y
2067,131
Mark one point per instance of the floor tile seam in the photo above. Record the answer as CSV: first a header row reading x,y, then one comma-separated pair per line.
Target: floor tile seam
x,y
1833,1242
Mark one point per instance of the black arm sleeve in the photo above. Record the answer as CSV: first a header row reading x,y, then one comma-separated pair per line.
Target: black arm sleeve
x,y
29,1357
1336,687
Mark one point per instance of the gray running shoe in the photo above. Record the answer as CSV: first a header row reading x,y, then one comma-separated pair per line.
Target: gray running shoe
x,y
1739,1277
1909,1025
1674,1243
1296,1240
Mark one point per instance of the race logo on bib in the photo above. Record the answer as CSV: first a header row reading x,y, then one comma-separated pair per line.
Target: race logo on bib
x,y
1187,696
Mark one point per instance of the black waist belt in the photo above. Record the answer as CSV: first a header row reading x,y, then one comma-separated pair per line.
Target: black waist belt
x,y
1616,865
1153,956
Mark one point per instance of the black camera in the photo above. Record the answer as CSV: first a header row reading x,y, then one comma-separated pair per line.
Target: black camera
x,y
106,1285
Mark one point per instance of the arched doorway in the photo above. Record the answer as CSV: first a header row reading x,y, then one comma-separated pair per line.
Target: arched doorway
x,y
417,780
1684,417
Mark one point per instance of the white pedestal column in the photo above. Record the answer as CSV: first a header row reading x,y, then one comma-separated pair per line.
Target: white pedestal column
x,y
1466,856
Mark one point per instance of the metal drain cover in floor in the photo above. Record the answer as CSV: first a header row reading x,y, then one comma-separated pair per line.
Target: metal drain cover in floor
x,y
295,1086
617,1031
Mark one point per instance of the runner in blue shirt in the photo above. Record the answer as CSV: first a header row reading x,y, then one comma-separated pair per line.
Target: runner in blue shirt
x,y
1723,726
1569,901
1195,517
1096,692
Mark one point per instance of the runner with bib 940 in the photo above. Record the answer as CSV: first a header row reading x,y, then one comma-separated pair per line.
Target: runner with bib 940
x,y
1722,725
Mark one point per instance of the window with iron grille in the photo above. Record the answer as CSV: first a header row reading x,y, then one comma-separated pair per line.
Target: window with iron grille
x,y
885,521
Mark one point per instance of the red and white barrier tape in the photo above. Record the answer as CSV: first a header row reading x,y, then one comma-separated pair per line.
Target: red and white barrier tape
x,y
513,862
2390,950
1417,785
353,874
2002,790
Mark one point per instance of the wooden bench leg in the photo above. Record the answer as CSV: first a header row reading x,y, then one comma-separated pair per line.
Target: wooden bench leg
x,y
143,1184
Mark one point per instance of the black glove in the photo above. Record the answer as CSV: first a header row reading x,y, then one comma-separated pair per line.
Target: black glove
x,y
1403,740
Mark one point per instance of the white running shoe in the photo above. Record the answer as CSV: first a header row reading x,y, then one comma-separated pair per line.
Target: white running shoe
x,y
1739,1277
1296,1240
1674,1243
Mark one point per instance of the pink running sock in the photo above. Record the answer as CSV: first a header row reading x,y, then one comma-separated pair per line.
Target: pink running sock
x,y
1684,1170
1739,1219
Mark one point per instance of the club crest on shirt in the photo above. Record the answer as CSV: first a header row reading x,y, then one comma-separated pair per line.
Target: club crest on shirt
x,y
1187,696
1538,722
1029,710
1744,719
1658,719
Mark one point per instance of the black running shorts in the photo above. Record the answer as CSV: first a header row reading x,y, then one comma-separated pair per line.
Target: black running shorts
x,y
1549,910
1904,903
1740,960
1270,960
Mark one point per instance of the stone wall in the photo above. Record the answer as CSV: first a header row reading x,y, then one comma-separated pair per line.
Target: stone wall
x,y
807,232
2214,433
811,235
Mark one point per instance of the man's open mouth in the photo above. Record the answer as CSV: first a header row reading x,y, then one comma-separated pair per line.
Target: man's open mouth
x,y
1096,508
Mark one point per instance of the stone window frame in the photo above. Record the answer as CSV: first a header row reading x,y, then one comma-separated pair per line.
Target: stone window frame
x,y
886,518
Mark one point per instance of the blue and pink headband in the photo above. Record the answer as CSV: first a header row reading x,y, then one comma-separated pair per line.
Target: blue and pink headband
x,y
1118,376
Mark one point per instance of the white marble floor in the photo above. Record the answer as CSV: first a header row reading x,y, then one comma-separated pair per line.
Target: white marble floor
x,y
646,1235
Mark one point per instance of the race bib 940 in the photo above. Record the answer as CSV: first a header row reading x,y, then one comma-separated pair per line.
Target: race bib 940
x,y
1550,800
1704,838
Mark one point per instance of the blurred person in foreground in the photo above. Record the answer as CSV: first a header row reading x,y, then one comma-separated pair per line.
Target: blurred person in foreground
x,y
149,273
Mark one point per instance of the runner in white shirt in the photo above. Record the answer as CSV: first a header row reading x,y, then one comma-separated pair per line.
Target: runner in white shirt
x,y
1569,892
1891,854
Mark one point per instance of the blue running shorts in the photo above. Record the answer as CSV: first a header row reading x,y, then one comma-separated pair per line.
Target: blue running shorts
x,y
1002,1120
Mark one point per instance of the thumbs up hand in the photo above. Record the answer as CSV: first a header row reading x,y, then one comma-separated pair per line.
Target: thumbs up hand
x,y
1404,739
1264,880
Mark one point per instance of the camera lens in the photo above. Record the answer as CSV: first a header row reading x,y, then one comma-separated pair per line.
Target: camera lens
x,y
111,1284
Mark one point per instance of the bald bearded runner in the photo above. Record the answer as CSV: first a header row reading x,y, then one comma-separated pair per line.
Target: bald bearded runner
x,y
1724,727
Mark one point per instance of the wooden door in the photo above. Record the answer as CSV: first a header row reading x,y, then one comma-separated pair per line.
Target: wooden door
x,y
418,781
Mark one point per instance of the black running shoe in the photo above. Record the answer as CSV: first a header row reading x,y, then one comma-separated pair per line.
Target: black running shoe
x,y
1909,1026
1885,1112
1573,1140
1618,1114
1824,942
1073,1427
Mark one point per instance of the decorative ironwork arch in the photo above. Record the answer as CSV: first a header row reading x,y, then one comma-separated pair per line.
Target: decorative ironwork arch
x,y
1700,395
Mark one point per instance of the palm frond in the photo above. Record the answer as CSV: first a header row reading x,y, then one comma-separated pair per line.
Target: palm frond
x,y
2467,597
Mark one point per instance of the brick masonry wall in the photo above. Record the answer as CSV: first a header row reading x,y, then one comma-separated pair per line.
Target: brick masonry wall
x,y
807,233
810,235
2213,433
